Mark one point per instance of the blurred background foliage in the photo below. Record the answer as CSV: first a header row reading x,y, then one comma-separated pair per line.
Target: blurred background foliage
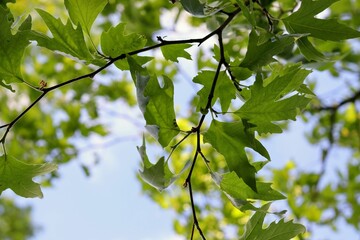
x,y
78,113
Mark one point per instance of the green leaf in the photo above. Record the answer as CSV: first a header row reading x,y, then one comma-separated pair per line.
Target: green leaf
x,y
309,51
245,10
275,231
225,90
84,12
17,176
156,103
231,139
238,189
194,7
12,49
4,2
173,52
65,39
270,102
116,41
261,54
304,21
159,174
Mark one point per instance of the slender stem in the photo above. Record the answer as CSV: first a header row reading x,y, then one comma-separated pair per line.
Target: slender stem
x,y
9,126
218,32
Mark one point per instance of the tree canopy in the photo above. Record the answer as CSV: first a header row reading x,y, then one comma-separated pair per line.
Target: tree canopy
x,y
254,66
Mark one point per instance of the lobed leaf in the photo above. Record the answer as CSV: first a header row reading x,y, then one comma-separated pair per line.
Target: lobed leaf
x,y
269,103
173,52
224,91
156,103
159,174
275,231
17,176
84,12
235,187
260,53
231,139
304,21
12,48
116,41
65,39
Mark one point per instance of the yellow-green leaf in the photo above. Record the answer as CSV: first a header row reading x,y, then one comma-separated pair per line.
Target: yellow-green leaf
x,y
17,176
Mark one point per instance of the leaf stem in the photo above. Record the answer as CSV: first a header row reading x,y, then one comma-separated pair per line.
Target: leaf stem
x,y
218,32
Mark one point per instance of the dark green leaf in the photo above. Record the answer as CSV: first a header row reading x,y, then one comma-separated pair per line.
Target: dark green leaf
x,y
259,55
309,51
231,139
304,21
194,7
17,176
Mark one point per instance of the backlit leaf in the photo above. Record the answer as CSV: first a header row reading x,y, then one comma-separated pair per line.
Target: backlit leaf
x,y
275,231
236,188
304,21
245,10
157,175
231,139
65,39
173,52
156,103
12,48
17,176
224,91
116,41
261,54
269,101
84,12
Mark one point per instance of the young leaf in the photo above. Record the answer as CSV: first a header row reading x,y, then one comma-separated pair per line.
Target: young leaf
x,y
84,12
173,52
11,49
261,54
304,21
115,42
157,175
267,104
275,231
224,91
65,39
231,139
17,176
156,103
